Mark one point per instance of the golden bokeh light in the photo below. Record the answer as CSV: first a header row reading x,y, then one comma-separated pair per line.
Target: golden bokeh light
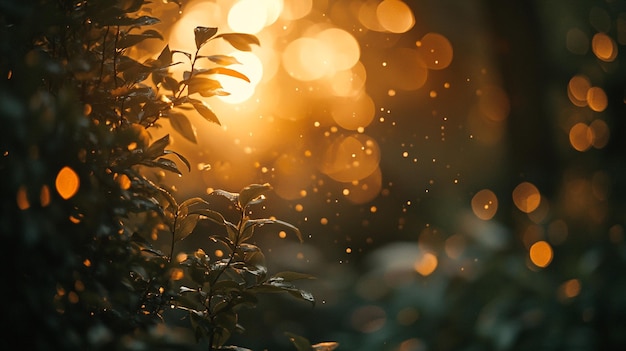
x,y
349,82
604,47
494,103
435,51
581,137
526,197
577,89
395,16
426,264
67,182
352,113
601,133
248,16
407,68
597,99
293,10
484,204
541,254
350,158
22,198
344,48
569,289
366,189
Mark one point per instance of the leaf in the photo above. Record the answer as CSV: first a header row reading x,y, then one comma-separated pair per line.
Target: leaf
x,y
205,111
204,86
134,39
157,148
211,215
181,157
182,125
203,34
225,71
240,41
165,57
262,221
252,192
163,163
127,21
291,276
192,201
223,60
232,197
185,226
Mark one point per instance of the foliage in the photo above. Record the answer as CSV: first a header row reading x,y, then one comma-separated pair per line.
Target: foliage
x,y
85,274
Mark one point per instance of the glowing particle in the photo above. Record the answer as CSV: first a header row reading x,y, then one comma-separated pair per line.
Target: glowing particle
x,y
526,197
541,254
22,198
282,234
299,208
484,204
67,182
348,250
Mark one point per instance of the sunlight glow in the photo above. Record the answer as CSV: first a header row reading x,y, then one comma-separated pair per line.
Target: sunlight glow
x,y
248,16
240,90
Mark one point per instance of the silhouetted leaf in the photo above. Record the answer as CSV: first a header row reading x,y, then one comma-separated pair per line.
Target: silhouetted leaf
x,y
203,34
181,157
157,148
182,125
203,86
252,192
240,41
291,276
232,197
204,110
224,71
185,226
223,60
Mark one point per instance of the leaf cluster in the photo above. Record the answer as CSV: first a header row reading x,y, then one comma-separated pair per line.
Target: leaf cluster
x,y
85,271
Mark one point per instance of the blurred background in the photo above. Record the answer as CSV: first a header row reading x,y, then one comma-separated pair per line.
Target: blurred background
x,y
457,167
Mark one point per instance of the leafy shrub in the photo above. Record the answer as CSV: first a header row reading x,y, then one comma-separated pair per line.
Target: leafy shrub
x,y
80,208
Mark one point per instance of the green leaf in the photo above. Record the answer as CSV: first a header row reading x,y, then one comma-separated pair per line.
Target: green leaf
x,y
182,125
223,60
240,41
185,226
252,192
225,71
291,276
203,34
205,111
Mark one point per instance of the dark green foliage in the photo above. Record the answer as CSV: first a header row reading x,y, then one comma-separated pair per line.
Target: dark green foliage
x,y
82,273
